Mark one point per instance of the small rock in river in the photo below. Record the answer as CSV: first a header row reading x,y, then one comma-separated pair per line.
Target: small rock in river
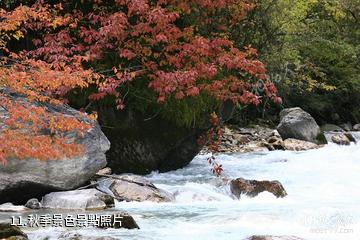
x,y
253,187
33,204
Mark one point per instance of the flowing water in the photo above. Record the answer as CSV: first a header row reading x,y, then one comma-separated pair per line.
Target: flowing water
x,y
323,200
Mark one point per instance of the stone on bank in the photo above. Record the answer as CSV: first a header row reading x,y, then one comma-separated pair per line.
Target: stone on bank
x,y
21,180
298,124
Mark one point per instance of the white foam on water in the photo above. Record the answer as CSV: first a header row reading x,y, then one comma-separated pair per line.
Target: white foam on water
x,y
322,203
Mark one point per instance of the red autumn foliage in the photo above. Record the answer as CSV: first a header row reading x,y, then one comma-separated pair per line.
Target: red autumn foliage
x,y
162,42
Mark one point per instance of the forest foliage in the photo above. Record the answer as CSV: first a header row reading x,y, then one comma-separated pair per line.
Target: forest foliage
x,y
135,53
311,49
180,59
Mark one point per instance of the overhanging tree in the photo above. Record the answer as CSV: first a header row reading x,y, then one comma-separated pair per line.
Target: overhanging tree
x,y
166,49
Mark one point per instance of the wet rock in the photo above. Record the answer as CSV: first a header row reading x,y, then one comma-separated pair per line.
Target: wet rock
x,y
11,232
273,238
298,124
331,128
21,180
136,188
122,220
356,127
33,204
346,126
299,145
108,200
274,143
350,137
86,199
9,207
252,188
340,139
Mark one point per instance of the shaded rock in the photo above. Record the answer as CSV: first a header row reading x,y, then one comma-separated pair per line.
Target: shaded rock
x,y
299,145
11,232
33,204
350,137
253,187
86,199
121,220
268,237
21,180
136,188
298,124
108,200
9,207
346,126
274,143
331,128
142,143
340,139
356,127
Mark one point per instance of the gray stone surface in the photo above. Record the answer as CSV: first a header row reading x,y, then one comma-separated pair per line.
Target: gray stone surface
x,y
33,204
331,128
86,199
21,180
298,124
136,188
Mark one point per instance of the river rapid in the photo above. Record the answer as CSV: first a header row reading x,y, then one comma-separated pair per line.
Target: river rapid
x,y
323,200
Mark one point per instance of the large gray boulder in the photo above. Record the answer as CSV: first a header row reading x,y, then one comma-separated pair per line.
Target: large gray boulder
x,y
141,144
298,124
21,180
356,127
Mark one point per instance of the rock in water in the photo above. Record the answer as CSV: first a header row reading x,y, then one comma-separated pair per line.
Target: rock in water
x,y
136,188
11,232
253,187
122,220
21,180
356,127
33,204
346,126
299,145
331,128
298,124
86,199
340,139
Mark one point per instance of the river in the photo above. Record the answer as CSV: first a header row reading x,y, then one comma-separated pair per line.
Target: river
x,y
323,200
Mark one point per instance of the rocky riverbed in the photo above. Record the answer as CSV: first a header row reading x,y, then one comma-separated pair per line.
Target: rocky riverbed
x,y
272,177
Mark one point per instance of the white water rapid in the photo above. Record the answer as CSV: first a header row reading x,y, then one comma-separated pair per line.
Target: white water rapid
x,y
323,200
